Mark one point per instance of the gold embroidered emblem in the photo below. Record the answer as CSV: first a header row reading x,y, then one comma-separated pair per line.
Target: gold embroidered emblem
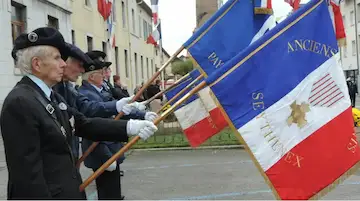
x,y
298,113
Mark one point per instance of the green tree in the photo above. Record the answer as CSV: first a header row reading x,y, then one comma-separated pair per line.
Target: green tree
x,y
182,67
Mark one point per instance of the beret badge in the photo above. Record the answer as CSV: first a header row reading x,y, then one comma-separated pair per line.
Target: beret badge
x,y
32,37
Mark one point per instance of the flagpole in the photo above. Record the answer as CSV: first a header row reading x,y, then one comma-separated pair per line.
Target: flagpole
x,y
161,58
128,145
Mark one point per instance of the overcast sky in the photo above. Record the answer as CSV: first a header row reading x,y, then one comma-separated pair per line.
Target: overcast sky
x,y
178,20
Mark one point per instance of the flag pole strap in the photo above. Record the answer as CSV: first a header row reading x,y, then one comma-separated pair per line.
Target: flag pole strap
x,y
138,94
128,145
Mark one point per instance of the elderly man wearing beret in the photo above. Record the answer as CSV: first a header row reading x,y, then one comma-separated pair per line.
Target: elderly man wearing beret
x,y
37,123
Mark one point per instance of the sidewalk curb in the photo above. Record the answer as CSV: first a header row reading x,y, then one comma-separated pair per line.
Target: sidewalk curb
x,y
189,148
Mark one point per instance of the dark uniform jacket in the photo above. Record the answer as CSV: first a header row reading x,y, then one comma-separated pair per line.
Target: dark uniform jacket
x,y
85,105
38,155
105,149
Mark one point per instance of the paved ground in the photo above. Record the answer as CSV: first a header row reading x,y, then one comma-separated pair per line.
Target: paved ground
x,y
194,174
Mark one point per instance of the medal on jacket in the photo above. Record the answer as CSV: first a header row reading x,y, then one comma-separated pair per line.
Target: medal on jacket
x,y
62,106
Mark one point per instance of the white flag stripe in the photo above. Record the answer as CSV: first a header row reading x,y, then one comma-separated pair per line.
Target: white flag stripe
x,y
327,98
317,96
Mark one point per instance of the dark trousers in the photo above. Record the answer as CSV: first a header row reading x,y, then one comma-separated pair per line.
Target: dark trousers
x,y
108,185
352,98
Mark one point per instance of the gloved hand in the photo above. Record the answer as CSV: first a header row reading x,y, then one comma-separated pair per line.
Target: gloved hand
x,y
112,167
135,105
121,103
150,116
143,128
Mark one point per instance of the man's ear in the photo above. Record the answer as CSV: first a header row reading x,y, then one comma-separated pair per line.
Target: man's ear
x,y
36,62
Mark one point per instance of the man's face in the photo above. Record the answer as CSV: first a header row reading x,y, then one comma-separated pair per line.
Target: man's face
x,y
97,78
49,68
73,69
107,73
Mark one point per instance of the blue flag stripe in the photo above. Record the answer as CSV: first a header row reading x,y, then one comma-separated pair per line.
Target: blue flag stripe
x,y
212,82
267,69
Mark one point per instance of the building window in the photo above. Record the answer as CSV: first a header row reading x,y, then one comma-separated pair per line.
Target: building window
x,y
18,19
145,31
152,66
126,64
353,46
73,37
53,22
150,29
136,68
156,52
89,43
117,61
147,68
87,3
344,20
142,67
133,19
104,48
352,18
123,12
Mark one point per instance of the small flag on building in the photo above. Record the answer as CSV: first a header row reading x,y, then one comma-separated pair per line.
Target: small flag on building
x,y
104,8
155,36
155,10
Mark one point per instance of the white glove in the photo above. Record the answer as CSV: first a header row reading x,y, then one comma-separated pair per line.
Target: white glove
x,y
143,128
112,167
121,103
150,116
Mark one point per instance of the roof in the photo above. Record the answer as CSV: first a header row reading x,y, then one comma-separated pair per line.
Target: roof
x,y
144,6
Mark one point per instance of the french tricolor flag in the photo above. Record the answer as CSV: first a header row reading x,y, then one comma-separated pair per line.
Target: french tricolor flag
x,y
199,116
155,36
155,10
287,98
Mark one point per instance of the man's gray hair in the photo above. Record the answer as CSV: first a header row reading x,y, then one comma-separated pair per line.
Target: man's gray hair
x,y
86,75
25,56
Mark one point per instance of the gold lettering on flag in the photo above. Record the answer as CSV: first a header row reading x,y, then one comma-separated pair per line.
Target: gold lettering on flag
x,y
352,145
311,46
293,159
269,135
259,104
215,60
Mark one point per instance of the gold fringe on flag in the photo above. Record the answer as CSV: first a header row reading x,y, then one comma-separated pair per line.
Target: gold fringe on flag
x,y
263,11
342,42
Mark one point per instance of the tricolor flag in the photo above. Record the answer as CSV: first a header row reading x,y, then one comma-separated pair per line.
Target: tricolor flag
x,y
287,98
155,10
192,115
104,8
111,29
206,96
227,32
295,4
338,23
155,36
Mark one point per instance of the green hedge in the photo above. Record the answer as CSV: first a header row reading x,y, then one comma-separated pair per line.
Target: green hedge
x,y
225,137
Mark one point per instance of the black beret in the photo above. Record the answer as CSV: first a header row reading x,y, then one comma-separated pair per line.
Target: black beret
x,y
96,54
78,54
98,65
41,36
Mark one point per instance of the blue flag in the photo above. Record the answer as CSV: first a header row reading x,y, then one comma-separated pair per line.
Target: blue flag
x,y
287,98
232,28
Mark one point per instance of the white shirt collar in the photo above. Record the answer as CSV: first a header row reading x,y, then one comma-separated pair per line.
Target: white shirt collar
x,y
46,89
97,88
